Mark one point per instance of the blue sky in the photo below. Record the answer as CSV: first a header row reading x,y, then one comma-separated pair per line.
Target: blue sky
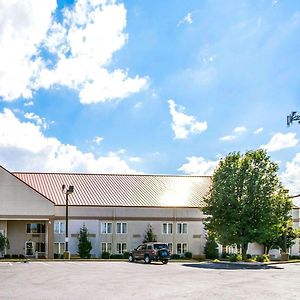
x,y
148,86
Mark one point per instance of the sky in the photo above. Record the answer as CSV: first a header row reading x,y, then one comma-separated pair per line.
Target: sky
x,y
153,87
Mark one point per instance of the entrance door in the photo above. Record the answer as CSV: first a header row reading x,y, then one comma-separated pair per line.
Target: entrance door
x,y
29,248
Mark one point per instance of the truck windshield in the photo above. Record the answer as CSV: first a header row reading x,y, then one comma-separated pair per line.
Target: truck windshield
x,y
160,246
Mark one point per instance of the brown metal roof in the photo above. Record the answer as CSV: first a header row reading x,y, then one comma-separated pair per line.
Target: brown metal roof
x,y
121,190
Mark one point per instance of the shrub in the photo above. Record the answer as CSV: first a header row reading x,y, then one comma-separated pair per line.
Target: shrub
x,y
7,256
211,248
14,256
188,255
175,256
235,257
248,256
295,257
21,256
216,260
126,255
116,256
224,255
105,255
262,258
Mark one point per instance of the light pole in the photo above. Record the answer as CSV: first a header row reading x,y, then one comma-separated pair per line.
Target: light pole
x,y
67,192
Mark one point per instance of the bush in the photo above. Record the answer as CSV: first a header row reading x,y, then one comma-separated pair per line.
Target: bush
x,y
235,257
116,256
21,256
14,256
262,258
248,256
211,248
58,256
295,257
7,256
175,256
105,255
224,255
188,255
126,255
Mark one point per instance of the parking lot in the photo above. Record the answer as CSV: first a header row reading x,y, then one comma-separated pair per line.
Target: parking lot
x,y
123,280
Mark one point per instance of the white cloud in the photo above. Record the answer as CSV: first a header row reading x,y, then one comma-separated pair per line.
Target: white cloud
x,y
291,177
81,48
135,159
281,141
198,166
98,139
23,146
186,20
238,131
41,122
183,124
258,130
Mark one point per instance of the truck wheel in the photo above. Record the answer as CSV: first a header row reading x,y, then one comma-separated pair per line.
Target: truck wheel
x,y
147,259
165,261
130,258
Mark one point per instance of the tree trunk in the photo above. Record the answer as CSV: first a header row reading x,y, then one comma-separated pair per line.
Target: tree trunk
x,y
244,250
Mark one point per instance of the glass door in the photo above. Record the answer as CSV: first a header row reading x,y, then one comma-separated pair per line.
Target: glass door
x,y
29,248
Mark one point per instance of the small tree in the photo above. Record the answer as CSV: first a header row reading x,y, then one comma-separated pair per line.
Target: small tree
x,y
84,245
211,248
149,235
4,243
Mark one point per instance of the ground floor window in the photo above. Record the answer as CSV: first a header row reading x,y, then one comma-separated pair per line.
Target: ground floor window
x,y
40,247
59,248
182,248
106,247
121,248
170,246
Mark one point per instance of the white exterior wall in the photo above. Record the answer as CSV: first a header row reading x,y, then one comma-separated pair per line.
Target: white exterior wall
x,y
137,220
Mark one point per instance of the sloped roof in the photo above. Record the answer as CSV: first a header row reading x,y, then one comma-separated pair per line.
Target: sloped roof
x,y
121,190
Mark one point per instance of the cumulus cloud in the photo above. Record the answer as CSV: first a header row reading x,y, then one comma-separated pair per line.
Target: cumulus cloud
x,y
183,124
78,49
24,146
258,130
281,141
38,120
198,166
237,131
186,20
291,177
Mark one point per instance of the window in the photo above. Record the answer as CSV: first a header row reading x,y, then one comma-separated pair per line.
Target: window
x,y
106,247
121,248
59,248
167,228
106,227
59,227
35,228
122,228
170,246
182,228
181,248
40,247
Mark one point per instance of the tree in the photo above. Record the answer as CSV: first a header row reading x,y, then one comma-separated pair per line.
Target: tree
x,y
84,245
4,242
149,235
211,248
246,202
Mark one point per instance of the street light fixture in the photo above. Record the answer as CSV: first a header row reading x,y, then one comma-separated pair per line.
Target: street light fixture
x,y
67,192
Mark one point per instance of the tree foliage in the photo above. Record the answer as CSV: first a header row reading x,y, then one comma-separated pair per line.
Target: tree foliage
x,y
4,242
149,235
84,245
211,248
246,202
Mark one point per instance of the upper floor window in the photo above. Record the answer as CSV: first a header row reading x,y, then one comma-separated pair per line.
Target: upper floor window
x,y
35,228
167,228
122,228
59,227
106,227
181,228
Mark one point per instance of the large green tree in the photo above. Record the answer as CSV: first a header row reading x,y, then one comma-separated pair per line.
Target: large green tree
x,y
246,202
